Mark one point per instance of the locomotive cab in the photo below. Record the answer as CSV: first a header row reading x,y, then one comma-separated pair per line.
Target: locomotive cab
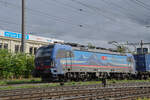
x,y
43,61
47,61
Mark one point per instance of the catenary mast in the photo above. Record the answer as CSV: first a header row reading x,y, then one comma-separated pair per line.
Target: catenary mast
x,y
23,28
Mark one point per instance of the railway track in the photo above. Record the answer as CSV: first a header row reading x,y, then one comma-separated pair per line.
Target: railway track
x,y
128,91
42,84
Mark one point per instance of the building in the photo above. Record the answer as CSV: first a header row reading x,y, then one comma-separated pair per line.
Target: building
x,y
12,41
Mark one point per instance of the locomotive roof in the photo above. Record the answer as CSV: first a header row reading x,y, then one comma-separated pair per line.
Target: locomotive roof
x,y
94,49
98,51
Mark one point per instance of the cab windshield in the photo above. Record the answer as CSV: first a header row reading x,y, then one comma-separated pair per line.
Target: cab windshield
x,y
45,51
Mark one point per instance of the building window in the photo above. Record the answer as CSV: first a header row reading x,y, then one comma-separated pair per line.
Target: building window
x,y
16,48
5,46
1,45
35,49
20,48
31,50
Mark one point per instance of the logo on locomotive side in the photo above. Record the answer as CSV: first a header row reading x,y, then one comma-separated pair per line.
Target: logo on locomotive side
x,y
104,58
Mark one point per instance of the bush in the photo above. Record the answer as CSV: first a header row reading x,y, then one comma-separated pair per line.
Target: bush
x,y
29,66
5,64
15,65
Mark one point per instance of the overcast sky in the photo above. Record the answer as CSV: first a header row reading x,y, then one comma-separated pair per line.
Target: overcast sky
x,y
80,21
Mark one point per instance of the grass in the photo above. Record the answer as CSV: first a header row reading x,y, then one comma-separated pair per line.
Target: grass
x,y
82,83
125,81
10,87
20,81
28,86
143,99
9,84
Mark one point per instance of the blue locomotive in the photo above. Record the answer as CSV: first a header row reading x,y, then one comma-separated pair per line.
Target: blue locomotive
x,y
142,65
64,62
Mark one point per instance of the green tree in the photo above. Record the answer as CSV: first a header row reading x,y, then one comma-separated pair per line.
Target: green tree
x,y
15,65
29,66
121,49
90,45
19,65
5,64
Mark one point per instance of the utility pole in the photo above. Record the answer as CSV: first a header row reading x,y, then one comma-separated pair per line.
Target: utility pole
x,y
141,46
23,28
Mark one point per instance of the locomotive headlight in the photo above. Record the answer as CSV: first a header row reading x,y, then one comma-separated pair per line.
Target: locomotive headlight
x,y
53,63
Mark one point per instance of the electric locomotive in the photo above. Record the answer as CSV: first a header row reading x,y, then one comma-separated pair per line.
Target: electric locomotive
x,y
142,65
64,62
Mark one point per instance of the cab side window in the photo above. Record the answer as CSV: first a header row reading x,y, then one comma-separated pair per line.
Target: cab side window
x,y
64,54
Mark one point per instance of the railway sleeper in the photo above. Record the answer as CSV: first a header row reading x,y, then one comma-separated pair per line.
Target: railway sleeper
x,y
134,91
129,97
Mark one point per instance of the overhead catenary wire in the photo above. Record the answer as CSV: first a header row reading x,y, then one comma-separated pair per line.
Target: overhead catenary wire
x,y
141,4
43,13
53,17
4,21
57,18
128,12
87,12
118,6
89,27
99,10
4,25
8,22
31,11
74,9
92,9
95,9
83,10
145,7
